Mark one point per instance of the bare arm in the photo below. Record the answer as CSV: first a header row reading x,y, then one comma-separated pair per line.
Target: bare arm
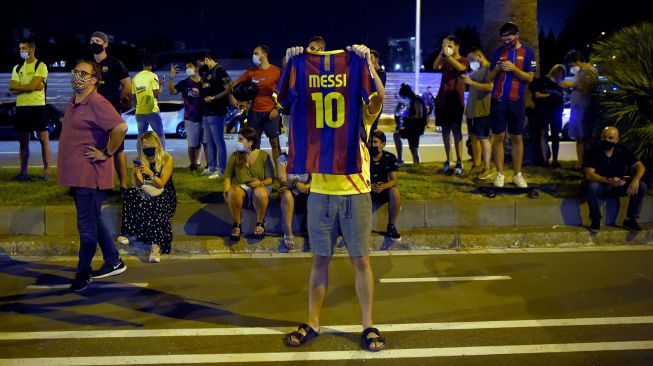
x,y
394,178
36,84
126,90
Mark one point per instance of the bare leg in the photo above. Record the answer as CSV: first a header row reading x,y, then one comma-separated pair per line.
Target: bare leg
x,y
287,209
365,290
393,205
544,146
317,286
261,200
446,139
236,197
458,141
120,164
44,138
276,149
497,146
23,139
476,150
398,145
517,152
487,152
415,152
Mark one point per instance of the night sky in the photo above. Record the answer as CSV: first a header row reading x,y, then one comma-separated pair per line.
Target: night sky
x,y
243,24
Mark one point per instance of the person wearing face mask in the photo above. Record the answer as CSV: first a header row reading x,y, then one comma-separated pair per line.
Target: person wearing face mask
x,y
263,114
581,119
477,112
146,89
191,92
548,97
249,175
91,133
148,216
512,67
116,86
384,172
611,170
450,101
412,126
28,80
215,83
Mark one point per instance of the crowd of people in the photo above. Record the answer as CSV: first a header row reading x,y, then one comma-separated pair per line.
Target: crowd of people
x,y
333,180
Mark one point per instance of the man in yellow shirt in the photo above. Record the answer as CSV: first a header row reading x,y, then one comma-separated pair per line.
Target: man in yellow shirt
x,y
147,88
28,84
343,200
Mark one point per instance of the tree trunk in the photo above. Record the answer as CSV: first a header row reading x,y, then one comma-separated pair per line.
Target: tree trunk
x,y
522,12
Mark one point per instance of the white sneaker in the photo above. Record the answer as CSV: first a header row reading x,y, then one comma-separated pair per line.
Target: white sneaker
x,y
519,181
215,175
123,240
206,171
498,181
155,254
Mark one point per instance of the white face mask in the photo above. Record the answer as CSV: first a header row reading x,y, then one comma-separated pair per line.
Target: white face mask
x,y
24,55
574,70
256,60
474,65
241,147
190,71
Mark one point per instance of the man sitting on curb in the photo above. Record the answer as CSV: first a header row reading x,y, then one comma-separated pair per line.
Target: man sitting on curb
x,y
384,171
607,168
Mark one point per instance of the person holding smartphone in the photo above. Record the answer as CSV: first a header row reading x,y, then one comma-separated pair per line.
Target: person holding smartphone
x,y
149,206
249,175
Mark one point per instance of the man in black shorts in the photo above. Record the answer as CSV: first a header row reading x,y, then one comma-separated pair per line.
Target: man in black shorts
x,y
28,81
115,85
384,171
412,126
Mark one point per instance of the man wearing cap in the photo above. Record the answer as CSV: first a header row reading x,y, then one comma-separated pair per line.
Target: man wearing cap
x,y
512,67
116,86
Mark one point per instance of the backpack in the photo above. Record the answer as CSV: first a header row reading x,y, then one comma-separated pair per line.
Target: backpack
x,y
36,67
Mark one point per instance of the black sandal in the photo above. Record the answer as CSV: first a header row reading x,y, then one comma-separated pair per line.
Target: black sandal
x,y
367,342
232,236
301,339
259,233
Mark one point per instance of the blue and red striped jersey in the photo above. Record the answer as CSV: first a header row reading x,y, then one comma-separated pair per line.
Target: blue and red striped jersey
x,y
325,92
507,86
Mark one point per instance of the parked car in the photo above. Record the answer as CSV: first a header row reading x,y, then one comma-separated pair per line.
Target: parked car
x,y
172,114
8,121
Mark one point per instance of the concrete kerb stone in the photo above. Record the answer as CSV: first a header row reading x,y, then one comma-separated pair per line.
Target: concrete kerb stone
x,y
22,220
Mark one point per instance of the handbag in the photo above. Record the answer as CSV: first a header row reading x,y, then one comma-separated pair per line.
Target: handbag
x,y
150,189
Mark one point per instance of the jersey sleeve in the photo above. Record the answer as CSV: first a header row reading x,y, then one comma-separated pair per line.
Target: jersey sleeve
x,y
42,71
222,75
367,87
122,71
530,64
496,57
14,74
285,90
244,77
155,82
181,87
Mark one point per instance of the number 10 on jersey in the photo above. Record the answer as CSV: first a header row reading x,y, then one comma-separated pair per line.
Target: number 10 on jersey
x,y
324,109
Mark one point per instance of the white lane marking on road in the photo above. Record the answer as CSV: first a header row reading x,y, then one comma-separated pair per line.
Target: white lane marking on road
x,y
332,355
444,279
95,284
334,329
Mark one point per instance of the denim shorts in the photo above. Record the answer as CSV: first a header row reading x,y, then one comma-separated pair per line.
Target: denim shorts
x,y
510,114
352,213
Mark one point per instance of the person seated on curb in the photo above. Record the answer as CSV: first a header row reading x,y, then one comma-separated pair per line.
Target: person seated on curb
x,y
384,171
413,125
249,174
293,188
607,168
148,207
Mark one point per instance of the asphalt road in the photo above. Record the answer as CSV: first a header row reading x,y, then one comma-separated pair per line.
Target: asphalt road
x,y
541,307
431,149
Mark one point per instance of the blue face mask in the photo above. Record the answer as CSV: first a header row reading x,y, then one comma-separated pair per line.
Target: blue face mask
x,y
149,151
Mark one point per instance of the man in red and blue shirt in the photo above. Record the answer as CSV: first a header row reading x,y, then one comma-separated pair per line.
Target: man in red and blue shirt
x,y
512,68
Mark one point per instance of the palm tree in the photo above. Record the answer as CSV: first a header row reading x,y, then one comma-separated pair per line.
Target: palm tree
x,y
626,60
522,12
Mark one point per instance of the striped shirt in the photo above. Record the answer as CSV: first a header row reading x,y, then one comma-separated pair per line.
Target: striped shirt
x,y
507,86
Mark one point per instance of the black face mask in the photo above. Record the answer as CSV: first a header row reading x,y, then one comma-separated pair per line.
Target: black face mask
x,y
374,150
96,48
606,145
149,151
510,44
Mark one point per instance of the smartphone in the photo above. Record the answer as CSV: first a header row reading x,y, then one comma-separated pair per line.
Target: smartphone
x,y
138,163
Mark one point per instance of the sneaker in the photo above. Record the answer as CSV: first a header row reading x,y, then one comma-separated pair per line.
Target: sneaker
x,y
289,242
459,170
193,168
632,225
206,172
446,167
519,181
393,233
555,165
155,254
215,175
22,178
110,270
81,282
47,177
123,240
485,174
596,225
400,162
498,181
